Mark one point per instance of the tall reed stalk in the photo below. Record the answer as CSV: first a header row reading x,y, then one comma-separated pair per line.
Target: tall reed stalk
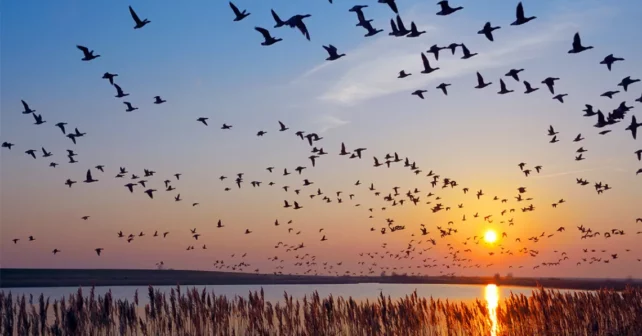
x,y
545,312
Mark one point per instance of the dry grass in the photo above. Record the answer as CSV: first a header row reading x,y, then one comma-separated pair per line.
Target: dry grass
x,y
603,312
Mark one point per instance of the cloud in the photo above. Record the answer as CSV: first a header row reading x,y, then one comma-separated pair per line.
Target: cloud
x,y
370,70
328,122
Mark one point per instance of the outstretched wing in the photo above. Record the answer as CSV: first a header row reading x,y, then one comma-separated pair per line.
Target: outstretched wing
x,y
134,16
520,11
577,42
235,9
303,29
264,32
83,49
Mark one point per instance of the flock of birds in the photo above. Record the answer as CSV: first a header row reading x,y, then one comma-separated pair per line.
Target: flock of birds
x,y
422,241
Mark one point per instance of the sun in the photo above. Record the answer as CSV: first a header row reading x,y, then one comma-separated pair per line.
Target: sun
x,y
490,236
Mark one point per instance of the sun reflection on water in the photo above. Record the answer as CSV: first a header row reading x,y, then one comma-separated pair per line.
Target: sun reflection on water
x,y
492,301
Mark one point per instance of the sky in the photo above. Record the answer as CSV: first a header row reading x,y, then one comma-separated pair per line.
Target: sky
x,y
206,65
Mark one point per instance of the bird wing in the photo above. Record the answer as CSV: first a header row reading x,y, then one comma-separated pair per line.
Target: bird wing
x,y
502,85
235,9
276,17
393,6
577,42
83,49
424,59
264,32
520,11
400,24
480,79
304,30
89,178
281,124
24,103
118,89
134,16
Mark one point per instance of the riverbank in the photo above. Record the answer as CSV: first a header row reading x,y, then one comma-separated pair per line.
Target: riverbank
x,y
18,278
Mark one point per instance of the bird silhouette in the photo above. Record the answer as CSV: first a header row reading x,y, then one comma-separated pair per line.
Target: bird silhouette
x,y
626,81
130,108
119,92
577,45
296,21
609,60
268,39
633,127
87,54
139,23
419,93
26,107
239,15
446,9
427,68
488,31
480,82
520,18
89,178
443,87
332,53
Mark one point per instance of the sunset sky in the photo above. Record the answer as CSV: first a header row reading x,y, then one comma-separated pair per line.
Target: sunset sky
x,y
205,65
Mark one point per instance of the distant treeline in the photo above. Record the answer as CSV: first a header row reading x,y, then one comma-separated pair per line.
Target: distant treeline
x,y
13,278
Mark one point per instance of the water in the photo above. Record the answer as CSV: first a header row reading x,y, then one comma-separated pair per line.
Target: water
x,y
274,293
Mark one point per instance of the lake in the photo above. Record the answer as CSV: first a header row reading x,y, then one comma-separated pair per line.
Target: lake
x,y
274,293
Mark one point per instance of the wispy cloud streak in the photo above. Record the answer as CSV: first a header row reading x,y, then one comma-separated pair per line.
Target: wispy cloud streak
x,y
371,69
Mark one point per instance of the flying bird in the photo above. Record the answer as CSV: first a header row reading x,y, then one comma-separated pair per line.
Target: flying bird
x,y
89,178
296,21
268,39
520,17
87,54
139,23
419,93
332,53
626,81
446,9
130,108
239,15
443,87
577,45
61,125
633,127
480,82
27,109
119,92
609,60
488,31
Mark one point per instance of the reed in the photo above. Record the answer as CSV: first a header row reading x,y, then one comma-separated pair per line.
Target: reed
x,y
190,312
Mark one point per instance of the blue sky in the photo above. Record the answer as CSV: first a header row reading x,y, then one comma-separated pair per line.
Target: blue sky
x,y
205,65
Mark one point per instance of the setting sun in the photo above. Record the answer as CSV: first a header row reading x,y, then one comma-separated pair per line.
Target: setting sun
x,y
490,236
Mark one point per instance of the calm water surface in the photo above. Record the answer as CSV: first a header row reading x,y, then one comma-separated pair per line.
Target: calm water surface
x,y
274,293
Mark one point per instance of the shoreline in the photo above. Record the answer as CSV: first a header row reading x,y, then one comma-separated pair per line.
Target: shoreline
x,y
30,278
